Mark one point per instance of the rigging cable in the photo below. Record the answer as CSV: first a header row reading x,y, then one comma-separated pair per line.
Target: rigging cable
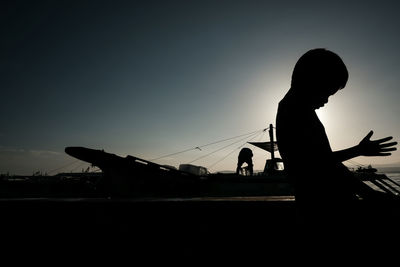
x,y
64,166
212,165
199,147
256,133
261,136
79,166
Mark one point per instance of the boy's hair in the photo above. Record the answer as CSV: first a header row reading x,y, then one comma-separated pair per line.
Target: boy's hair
x,y
319,68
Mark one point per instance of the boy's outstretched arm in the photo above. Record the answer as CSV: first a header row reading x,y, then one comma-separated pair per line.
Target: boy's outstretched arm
x,y
366,147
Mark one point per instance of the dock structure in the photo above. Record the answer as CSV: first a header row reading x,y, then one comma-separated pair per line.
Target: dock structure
x,y
380,182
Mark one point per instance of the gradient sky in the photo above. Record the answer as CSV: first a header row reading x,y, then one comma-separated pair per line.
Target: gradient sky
x,y
149,78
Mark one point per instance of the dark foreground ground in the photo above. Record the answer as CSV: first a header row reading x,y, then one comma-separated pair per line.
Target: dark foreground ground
x,y
175,229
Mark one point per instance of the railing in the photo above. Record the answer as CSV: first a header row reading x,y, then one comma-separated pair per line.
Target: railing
x,y
380,182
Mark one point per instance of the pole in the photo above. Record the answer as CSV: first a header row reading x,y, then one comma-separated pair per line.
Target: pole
x,y
271,138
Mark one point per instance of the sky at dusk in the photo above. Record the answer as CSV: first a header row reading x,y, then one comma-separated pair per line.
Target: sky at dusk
x,y
150,78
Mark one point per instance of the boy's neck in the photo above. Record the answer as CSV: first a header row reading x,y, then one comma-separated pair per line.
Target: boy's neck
x,y
299,99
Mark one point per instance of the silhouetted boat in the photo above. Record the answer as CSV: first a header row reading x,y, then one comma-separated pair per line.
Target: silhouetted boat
x,y
369,169
136,177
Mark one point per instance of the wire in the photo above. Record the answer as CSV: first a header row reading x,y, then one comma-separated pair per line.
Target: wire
x,y
79,166
257,133
261,136
64,166
199,147
212,165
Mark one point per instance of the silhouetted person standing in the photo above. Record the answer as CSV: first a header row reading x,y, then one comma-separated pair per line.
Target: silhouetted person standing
x,y
245,156
325,190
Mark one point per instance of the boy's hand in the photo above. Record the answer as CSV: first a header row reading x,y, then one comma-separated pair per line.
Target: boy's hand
x,y
378,147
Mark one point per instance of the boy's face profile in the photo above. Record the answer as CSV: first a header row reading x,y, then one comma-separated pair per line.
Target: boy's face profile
x,y
317,75
320,96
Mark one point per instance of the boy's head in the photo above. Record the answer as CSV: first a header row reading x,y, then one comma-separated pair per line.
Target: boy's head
x,y
318,74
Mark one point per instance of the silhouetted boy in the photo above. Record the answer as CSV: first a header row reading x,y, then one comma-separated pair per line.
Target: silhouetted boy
x,y
325,190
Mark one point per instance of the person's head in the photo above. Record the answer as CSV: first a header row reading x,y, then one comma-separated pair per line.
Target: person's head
x,y
318,74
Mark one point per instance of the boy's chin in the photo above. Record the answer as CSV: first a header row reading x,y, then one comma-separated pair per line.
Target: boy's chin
x,y
317,106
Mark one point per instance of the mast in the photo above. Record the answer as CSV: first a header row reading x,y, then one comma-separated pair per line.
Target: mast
x,y
271,137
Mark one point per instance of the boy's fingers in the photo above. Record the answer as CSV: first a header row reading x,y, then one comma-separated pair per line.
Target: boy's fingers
x,y
388,149
384,154
388,144
369,135
383,139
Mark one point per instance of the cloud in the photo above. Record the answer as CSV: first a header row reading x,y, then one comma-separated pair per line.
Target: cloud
x,y
43,153
25,161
